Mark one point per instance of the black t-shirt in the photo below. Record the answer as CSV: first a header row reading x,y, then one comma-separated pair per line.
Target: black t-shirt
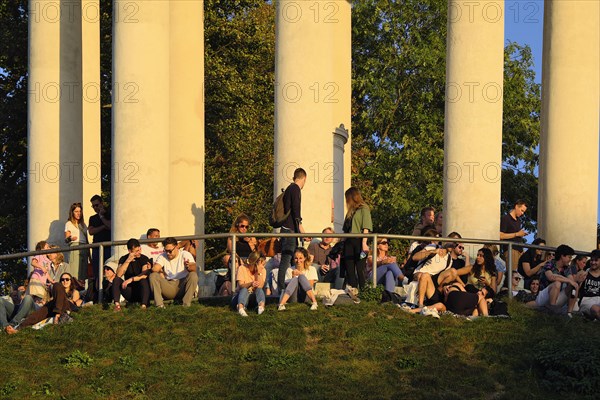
x,y
103,235
135,267
590,286
291,202
242,248
530,258
510,225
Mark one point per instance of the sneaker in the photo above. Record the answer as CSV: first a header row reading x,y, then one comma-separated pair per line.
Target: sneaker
x,y
161,306
281,307
570,315
117,307
261,310
430,311
404,307
64,318
314,307
353,293
242,312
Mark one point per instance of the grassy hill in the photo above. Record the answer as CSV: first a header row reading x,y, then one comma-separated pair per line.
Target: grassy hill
x,y
368,351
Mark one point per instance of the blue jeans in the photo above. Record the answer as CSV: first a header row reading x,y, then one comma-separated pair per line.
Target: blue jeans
x,y
387,274
288,246
8,316
242,297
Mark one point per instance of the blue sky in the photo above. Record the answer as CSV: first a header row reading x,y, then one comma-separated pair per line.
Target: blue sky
x,y
524,24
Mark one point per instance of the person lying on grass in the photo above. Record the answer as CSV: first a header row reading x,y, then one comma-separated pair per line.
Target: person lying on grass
x,y
64,299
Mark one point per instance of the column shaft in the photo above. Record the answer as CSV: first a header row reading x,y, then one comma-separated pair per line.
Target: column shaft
x,y
568,189
312,97
473,125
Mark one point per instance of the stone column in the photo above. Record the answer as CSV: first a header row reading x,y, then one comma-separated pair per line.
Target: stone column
x,y
186,158
90,78
43,125
312,96
473,125
340,138
568,181
141,140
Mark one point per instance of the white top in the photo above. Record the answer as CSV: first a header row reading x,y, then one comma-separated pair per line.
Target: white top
x,y
80,232
436,265
152,252
175,268
311,274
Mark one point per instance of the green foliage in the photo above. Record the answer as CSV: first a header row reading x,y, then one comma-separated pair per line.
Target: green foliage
x,y
77,359
370,293
239,108
569,367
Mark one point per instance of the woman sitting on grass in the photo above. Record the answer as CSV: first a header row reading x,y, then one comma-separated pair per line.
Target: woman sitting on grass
x,y
483,272
300,278
64,299
461,302
250,280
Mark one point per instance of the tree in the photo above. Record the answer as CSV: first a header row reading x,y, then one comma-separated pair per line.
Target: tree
x,y
399,66
239,110
13,138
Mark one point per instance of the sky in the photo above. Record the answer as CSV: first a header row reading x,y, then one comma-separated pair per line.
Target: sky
x,y
524,24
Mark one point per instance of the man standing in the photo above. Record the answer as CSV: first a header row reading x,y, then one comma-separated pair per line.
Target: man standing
x,y
99,227
427,218
510,229
173,275
327,269
154,249
293,224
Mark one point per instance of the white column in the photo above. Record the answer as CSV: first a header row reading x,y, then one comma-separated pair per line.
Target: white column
x,y
43,124
141,141
312,96
186,165
568,188
473,124
90,78
340,138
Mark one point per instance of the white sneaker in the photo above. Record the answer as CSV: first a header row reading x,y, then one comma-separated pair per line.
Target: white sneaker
x,y
430,311
242,312
281,307
314,307
261,310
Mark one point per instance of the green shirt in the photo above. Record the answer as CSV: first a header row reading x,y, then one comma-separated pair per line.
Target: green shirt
x,y
362,220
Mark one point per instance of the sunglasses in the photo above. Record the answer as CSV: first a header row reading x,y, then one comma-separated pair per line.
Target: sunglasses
x,y
384,242
243,226
461,247
516,278
65,279
169,251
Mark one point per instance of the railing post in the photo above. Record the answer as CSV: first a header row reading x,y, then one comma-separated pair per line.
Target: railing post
x,y
374,255
233,261
510,271
100,270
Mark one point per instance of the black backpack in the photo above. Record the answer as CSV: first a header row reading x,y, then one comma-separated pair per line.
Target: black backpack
x,y
411,265
278,214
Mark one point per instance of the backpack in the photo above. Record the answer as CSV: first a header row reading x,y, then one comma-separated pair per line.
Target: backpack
x,y
278,214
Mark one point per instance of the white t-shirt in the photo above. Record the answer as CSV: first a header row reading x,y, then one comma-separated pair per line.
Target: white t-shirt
x,y
151,252
311,274
175,268
436,265
80,232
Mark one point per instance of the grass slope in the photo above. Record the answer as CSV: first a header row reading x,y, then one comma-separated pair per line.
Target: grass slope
x,y
368,351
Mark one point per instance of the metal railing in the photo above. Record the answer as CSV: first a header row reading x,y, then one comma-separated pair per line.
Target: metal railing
x,y
234,235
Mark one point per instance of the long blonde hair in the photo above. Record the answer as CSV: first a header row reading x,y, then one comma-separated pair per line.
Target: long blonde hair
x,y
240,218
252,261
354,201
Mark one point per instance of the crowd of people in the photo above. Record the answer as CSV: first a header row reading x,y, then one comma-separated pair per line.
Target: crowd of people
x,y
433,276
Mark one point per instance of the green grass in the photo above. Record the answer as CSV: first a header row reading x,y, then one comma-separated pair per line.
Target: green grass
x,y
367,351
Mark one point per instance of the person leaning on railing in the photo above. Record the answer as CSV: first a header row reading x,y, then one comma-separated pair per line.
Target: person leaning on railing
x,y
358,220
